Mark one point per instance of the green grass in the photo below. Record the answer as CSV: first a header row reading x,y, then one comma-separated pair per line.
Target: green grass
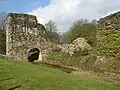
x,y
65,58
78,59
36,77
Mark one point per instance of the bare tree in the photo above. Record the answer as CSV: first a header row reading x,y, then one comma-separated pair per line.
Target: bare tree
x,y
51,26
3,17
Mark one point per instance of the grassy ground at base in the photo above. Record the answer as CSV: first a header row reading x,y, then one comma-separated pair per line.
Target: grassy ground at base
x,y
26,76
65,58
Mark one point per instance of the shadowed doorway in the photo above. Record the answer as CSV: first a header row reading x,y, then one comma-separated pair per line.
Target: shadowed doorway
x,y
33,55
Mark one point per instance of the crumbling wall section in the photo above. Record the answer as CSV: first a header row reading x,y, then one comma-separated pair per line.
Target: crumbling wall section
x,y
22,34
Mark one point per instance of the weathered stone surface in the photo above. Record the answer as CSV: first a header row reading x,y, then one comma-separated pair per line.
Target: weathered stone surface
x,y
23,33
78,45
110,22
106,64
107,43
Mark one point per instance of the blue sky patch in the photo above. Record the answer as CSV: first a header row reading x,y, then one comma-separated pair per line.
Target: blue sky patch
x,y
21,5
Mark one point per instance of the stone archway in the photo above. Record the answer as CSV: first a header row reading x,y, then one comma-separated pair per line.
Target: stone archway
x,y
34,54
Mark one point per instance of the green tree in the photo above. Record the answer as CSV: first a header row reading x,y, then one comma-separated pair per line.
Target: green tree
x,y
82,28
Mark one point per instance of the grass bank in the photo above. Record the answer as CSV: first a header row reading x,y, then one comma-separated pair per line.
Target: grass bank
x,y
26,76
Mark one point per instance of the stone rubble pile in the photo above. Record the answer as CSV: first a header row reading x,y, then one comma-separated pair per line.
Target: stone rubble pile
x,y
78,45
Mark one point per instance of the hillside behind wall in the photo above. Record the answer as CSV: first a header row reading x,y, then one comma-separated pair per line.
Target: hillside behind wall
x,y
22,34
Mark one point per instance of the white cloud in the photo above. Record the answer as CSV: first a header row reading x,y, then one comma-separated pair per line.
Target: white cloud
x,y
65,12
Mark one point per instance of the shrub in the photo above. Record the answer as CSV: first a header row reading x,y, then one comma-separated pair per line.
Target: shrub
x,y
108,43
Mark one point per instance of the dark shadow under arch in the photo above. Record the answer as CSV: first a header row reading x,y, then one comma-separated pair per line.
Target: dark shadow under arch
x,y
33,54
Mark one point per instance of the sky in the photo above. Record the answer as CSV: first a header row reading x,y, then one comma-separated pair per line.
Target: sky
x,y
63,12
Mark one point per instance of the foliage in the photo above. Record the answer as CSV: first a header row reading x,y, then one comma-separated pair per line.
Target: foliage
x,y
108,36
81,29
108,43
35,77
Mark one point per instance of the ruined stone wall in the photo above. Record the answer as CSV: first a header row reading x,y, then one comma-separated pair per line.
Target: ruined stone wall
x,y
22,34
78,45
110,22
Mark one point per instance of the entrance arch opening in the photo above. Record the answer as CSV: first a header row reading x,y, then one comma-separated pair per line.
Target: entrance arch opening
x,y
34,54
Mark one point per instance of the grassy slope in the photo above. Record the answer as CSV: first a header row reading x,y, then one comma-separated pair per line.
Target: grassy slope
x,y
34,77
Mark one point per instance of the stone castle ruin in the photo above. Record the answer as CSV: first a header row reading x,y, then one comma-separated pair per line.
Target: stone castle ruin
x,y
25,38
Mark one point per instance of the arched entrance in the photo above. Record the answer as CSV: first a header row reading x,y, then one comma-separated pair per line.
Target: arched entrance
x,y
34,54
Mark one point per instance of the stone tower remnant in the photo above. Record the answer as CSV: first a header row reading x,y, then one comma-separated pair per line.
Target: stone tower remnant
x,y
25,37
